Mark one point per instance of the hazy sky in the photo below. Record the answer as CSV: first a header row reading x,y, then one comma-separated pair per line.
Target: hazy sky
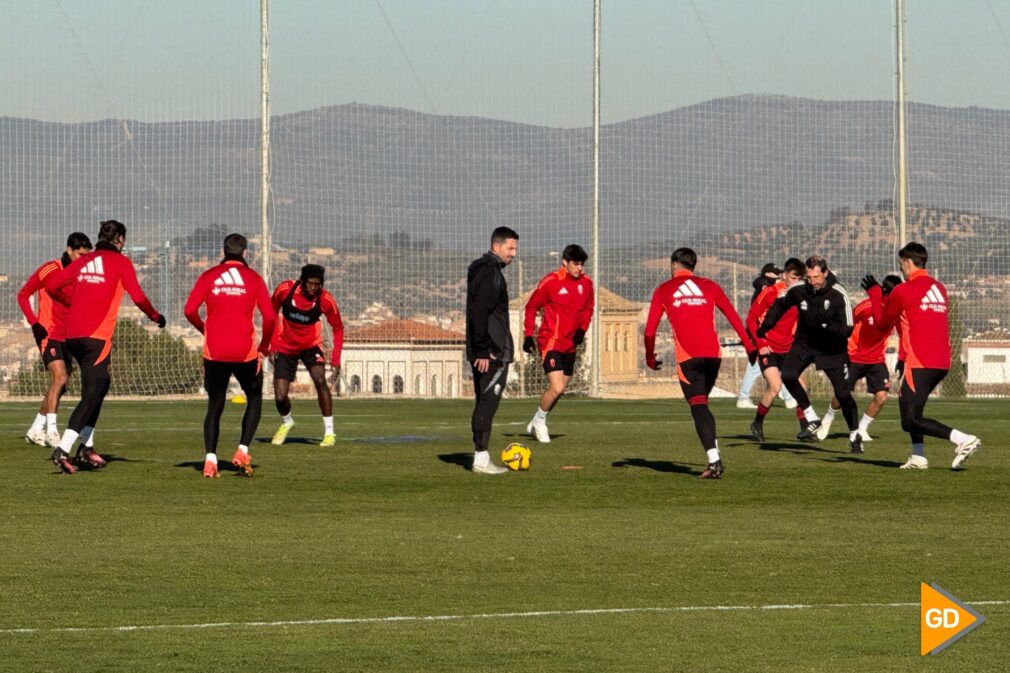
x,y
521,60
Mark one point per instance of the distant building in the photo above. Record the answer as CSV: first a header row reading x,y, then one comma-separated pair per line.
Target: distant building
x,y
403,358
986,358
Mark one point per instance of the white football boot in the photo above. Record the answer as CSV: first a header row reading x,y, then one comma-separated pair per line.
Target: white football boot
x,y
915,463
36,437
865,434
965,449
822,432
538,430
482,464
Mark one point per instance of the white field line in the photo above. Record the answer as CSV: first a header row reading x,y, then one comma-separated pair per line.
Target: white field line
x,y
450,618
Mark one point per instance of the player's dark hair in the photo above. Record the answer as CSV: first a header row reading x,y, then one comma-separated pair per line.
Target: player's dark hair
x,y
110,230
574,253
915,252
796,266
502,234
77,240
235,244
816,262
686,257
313,271
890,282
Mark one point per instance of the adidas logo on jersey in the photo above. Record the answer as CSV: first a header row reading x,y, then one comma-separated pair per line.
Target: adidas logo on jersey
x,y
689,293
93,272
563,291
230,282
933,301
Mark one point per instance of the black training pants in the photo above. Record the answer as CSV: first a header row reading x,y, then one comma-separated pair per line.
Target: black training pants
x,y
487,391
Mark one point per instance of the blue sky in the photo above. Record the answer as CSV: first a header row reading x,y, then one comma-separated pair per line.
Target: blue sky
x,y
521,60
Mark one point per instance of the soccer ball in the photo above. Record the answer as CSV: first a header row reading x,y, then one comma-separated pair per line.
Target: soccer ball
x,y
516,457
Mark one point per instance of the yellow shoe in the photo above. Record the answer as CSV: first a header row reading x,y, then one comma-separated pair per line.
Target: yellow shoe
x,y
282,433
329,440
243,462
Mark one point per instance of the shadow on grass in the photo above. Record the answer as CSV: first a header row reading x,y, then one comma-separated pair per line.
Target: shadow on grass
x,y
657,465
463,459
523,435
290,440
862,461
222,466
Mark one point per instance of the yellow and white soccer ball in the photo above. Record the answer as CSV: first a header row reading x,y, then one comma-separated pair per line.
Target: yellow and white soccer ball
x,y
516,457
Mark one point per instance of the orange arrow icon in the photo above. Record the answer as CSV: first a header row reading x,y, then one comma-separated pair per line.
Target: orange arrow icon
x,y
943,619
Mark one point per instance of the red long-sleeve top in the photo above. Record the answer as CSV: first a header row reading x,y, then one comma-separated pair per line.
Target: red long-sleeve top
x,y
567,304
292,338
52,315
780,337
920,305
868,343
232,292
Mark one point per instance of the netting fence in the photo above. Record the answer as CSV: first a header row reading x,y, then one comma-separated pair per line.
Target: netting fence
x,y
402,133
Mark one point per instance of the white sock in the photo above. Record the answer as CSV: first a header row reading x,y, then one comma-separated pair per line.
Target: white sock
x,y
829,415
39,423
244,449
288,420
88,436
541,415
481,458
864,423
50,421
211,457
328,425
810,414
713,455
68,439
959,437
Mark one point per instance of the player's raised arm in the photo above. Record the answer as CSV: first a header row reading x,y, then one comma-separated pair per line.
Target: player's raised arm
x,y
777,310
723,303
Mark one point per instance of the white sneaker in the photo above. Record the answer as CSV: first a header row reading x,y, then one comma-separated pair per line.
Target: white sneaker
x,y
865,434
915,463
822,432
746,403
790,404
964,450
38,437
53,438
538,430
487,467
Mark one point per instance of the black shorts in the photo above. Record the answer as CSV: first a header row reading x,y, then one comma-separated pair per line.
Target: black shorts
x,y
801,356
697,376
917,384
217,374
876,375
93,355
556,361
56,351
771,360
285,366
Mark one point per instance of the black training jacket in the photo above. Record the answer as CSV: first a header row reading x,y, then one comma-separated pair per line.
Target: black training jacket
x,y
825,320
487,311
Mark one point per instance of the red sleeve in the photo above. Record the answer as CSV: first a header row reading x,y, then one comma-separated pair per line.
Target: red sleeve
x,y
885,314
269,315
58,283
724,305
765,299
332,314
31,286
280,292
863,311
534,305
194,301
128,277
652,324
587,309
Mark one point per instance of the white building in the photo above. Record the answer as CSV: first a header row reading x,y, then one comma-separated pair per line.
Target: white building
x,y
987,361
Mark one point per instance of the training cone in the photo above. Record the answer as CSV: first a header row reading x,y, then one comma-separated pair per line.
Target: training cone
x,y
238,399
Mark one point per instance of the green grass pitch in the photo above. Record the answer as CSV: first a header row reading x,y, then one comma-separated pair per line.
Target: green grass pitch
x,y
390,524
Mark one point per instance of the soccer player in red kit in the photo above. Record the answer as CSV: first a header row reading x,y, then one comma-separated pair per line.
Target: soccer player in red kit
x,y
920,304
232,292
867,360
566,297
47,328
689,302
96,282
299,336
773,348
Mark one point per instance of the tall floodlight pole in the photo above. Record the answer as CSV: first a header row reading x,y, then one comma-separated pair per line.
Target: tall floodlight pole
x,y
597,336
265,238
902,159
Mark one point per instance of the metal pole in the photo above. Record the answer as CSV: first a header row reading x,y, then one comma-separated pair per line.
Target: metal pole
x,y
522,361
265,238
595,384
900,112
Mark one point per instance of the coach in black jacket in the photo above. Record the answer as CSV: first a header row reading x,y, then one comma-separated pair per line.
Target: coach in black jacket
x,y
489,346
822,339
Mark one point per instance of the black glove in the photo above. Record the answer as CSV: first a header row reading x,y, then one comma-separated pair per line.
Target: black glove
x,y
161,321
40,333
579,337
868,282
752,356
530,345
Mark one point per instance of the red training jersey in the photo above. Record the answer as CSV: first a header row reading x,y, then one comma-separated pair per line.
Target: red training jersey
x,y
52,314
689,302
780,337
96,282
567,303
292,338
232,292
867,344
920,304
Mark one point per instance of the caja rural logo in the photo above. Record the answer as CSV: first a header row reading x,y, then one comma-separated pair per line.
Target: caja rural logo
x,y
943,619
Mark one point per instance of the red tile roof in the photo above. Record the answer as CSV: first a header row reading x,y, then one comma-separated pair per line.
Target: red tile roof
x,y
403,331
